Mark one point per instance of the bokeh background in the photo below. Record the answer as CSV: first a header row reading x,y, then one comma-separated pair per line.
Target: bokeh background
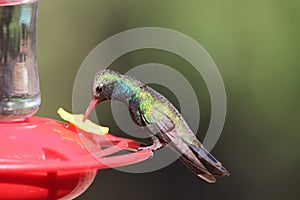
x,y
256,46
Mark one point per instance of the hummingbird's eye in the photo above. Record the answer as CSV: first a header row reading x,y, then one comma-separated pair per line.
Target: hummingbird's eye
x,y
99,89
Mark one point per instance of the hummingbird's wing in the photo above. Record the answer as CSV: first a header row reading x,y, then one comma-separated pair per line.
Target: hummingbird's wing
x,y
163,127
158,122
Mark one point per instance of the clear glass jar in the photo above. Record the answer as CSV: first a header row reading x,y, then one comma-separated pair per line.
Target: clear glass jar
x,y
19,81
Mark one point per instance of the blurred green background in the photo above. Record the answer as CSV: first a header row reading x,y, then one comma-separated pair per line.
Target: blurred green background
x,y
256,46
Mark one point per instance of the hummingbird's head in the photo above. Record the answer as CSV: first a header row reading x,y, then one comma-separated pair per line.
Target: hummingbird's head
x,y
104,83
107,85
103,87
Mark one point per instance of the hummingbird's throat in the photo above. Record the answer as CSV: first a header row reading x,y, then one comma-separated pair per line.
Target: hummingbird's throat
x,y
89,109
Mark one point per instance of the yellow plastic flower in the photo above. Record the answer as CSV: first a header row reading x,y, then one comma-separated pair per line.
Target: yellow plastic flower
x,y
87,125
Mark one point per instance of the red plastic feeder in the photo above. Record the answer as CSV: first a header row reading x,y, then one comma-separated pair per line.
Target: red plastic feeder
x,y
42,158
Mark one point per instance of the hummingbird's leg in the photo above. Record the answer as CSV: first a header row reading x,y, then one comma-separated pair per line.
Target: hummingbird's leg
x,y
156,144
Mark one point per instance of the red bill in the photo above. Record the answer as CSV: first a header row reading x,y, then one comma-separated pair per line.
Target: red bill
x,y
89,109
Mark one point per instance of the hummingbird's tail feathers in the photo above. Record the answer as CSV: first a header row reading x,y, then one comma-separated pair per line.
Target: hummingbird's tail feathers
x,y
209,161
187,155
200,170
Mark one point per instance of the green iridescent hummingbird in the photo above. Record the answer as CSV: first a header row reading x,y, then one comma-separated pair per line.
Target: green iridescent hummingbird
x,y
164,124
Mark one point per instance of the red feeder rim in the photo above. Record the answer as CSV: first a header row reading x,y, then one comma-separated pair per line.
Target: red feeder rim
x,y
49,145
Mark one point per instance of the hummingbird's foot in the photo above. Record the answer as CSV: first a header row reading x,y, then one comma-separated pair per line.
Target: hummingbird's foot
x,y
154,146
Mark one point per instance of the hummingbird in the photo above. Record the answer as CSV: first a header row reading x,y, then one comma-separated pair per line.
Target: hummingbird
x,y
155,114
